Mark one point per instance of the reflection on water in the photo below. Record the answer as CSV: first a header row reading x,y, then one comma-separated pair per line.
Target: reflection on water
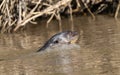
x,y
99,53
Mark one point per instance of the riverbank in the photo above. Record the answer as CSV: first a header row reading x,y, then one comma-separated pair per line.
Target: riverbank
x,y
16,14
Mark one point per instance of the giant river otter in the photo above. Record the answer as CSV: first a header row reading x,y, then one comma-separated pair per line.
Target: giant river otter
x,y
62,38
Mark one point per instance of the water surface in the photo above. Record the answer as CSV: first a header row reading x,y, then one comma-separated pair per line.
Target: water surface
x,y
99,52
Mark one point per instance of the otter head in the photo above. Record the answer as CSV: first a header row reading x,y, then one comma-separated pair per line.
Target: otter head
x,y
67,37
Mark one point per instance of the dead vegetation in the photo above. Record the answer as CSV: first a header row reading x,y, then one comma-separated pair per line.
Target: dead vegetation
x,y
17,13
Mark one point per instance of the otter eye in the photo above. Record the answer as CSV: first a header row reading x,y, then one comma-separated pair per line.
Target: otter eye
x,y
56,42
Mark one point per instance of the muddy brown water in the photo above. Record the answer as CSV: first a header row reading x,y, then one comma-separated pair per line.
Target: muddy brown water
x,y
99,52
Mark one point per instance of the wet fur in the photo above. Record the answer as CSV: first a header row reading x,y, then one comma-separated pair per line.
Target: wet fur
x,y
49,42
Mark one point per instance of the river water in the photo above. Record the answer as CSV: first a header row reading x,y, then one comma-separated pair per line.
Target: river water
x,y
99,52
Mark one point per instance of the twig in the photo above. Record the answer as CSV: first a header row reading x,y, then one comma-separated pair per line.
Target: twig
x,y
86,6
20,12
2,4
50,19
117,11
58,17
71,17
